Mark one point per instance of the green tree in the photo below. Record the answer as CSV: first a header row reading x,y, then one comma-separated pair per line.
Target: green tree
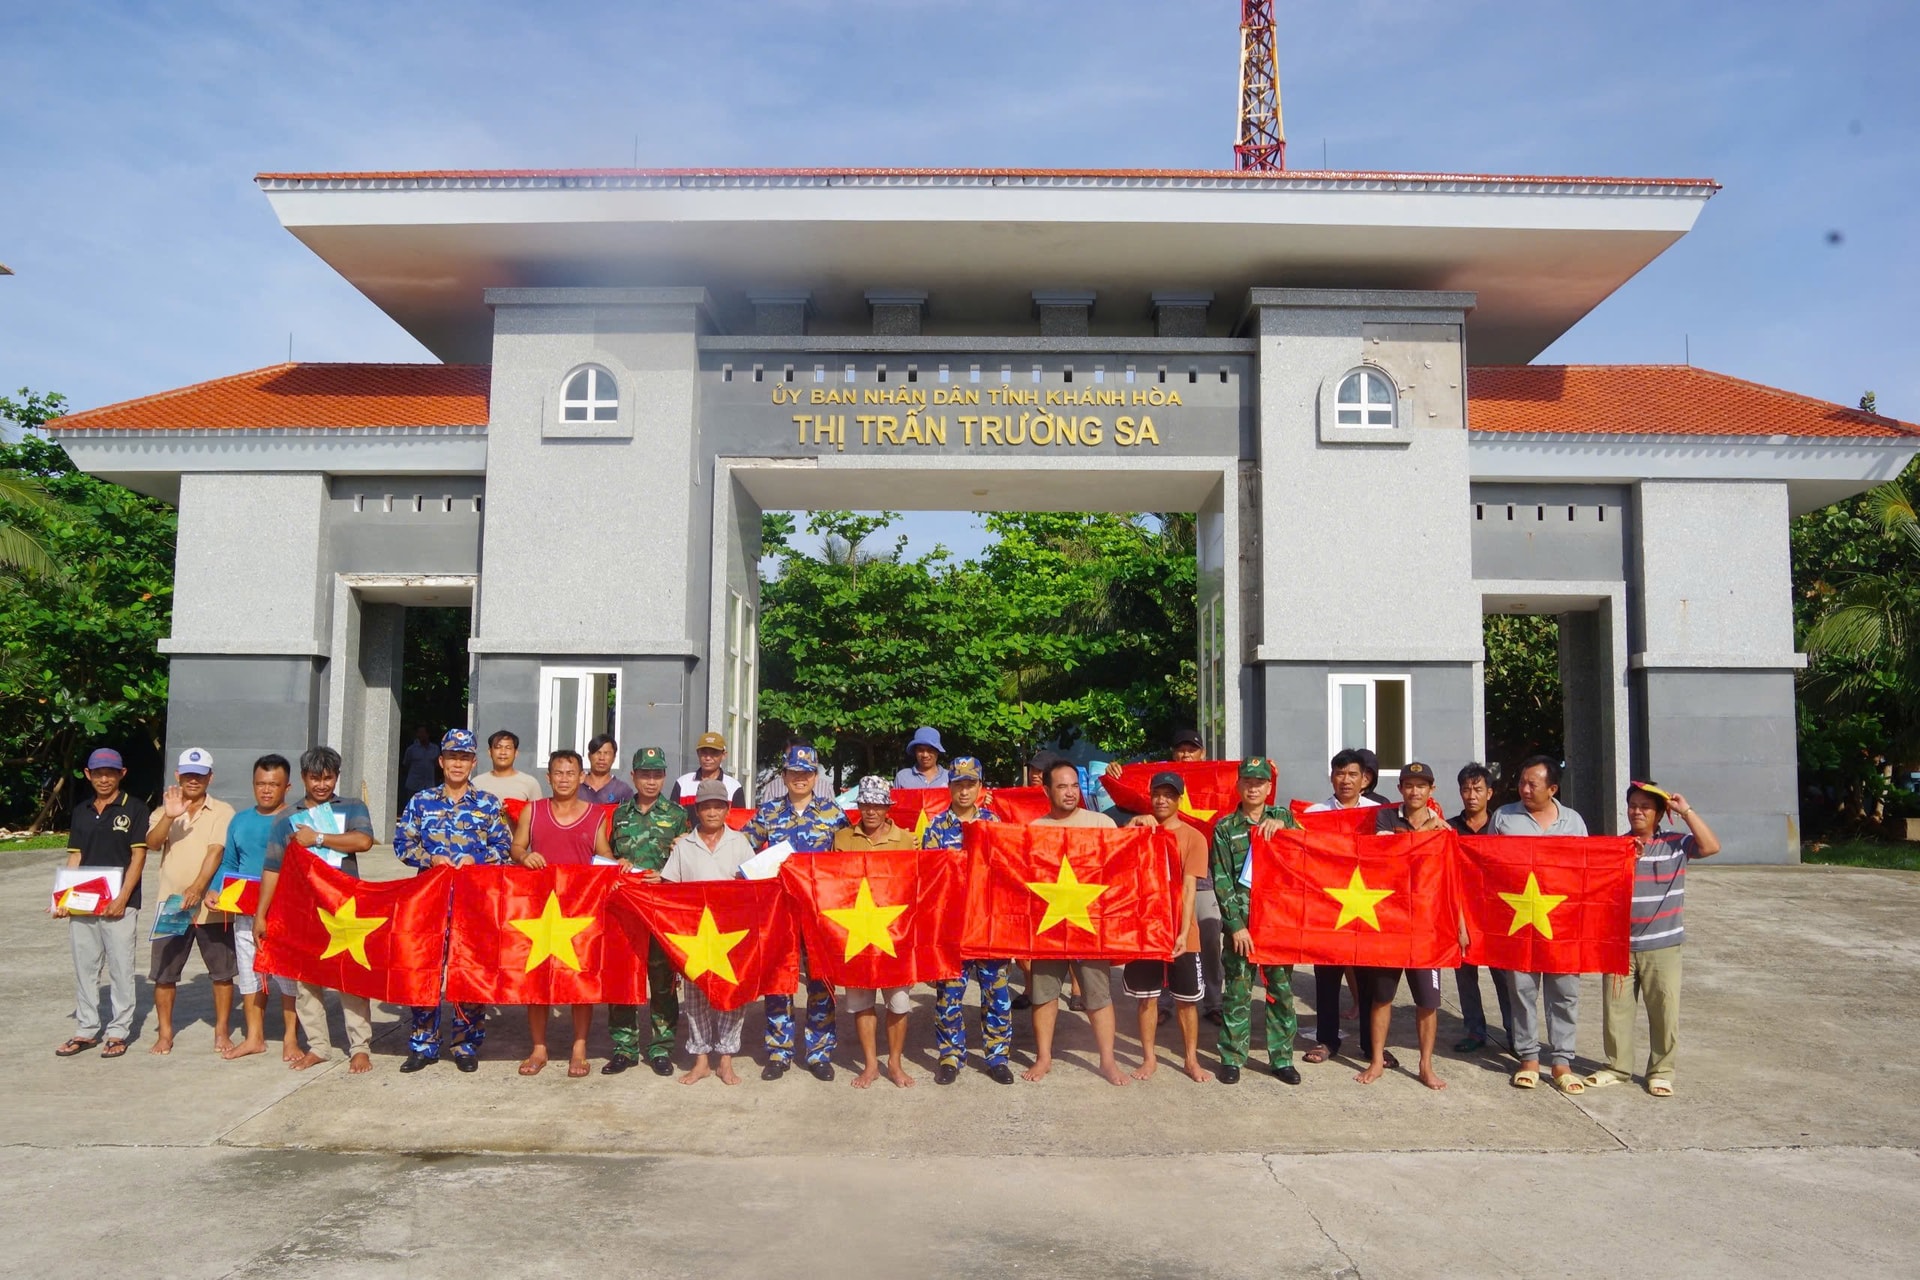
x,y
22,495
1523,691
78,659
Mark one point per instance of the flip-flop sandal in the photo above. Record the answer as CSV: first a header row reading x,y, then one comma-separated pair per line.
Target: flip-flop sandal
x,y
74,1046
114,1049
1602,1079
575,1070
1318,1053
1569,1084
1525,1079
532,1068
1390,1062
1660,1088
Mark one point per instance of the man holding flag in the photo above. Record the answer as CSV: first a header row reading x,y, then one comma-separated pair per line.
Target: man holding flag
x,y
644,829
877,833
1232,846
947,831
1413,813
1046,978
243,857
1146,979
1540,813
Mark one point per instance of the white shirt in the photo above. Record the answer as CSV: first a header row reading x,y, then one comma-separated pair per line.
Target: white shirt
x,y
1333,802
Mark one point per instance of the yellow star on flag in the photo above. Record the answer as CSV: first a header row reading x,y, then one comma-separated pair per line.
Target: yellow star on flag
x,y
1186,807
708,950
347,931
920,828
867,924
1357,902
230,894
552,935
1067,899
1532,907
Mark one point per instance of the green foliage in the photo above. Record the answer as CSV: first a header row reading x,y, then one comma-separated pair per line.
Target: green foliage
x,y
1523,692
1864,853
433,669
78,659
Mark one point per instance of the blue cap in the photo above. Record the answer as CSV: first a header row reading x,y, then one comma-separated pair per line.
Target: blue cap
x,y
927,736
964,768
105,758
803,758
456,741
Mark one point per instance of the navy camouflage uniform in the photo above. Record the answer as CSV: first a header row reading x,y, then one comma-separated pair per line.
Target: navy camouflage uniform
x,y
809,829
996,995
642,840
1228,856
467,832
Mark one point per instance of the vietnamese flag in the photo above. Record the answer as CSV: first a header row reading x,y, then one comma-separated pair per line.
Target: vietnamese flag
x,y
1019,805
735,939
1356,821
381,939
879,919
1213,786
1070,893
522,936
915,808
238,894
1547,904
1326,897
511,807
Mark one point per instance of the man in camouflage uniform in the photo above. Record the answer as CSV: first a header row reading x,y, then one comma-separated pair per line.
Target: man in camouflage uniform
x,y
996,997
644,829
1232,846
803,820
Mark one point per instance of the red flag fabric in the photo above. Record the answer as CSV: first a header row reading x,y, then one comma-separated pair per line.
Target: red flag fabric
x,y
381,939
1350,821
522,936
1070,893
1212,785
879,919
1019,804
1547,904
735,939
1324,897
239,895
915,807
511,807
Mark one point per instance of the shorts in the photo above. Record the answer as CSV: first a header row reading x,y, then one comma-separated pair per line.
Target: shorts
x,y
1145,979
861,999
1377,985
1045,978
246,979
216,952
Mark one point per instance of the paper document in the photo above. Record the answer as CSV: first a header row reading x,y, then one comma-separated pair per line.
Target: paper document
x,y
173,918
765,865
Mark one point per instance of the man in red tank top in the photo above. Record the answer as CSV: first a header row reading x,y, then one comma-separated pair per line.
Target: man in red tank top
x,y
565,831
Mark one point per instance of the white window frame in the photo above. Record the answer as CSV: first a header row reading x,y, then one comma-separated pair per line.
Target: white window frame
x,y
602,401
1371,681
587,698
740,705
1366,407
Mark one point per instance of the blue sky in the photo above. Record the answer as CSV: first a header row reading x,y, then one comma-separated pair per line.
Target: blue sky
x,y
146,259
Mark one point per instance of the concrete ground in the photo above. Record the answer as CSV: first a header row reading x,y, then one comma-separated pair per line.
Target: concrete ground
x,y
1789,1148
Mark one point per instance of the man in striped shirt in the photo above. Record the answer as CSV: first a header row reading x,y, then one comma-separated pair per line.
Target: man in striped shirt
x,y
1658,929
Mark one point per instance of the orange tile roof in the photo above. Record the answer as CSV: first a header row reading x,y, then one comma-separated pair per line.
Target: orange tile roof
x,y
1655,399
308,395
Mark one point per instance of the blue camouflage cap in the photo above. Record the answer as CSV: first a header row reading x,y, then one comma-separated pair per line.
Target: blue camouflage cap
x,y
459,742
965,767
803,758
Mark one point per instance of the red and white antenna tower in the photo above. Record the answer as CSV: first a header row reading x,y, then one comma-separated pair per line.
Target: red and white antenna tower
x,y
1262,142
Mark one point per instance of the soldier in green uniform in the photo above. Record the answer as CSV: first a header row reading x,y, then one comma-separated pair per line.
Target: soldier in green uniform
x,y
1228,857
644,829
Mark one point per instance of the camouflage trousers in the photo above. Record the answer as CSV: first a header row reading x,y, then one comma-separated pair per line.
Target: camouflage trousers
x,y
821,1036
1236,1030
468,1034
663,1011
996,1013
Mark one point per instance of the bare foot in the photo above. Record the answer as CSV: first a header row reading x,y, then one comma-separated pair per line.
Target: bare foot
x,y
305,1060
1373,1072
1194,1072
222,1041
726,1073
289,1050
1038,1071
1146,1069
1429,1079
577,1067
867,1076
162,1045
900,1078
535,1063
359,1064
244,1049
1112,1073
700,1072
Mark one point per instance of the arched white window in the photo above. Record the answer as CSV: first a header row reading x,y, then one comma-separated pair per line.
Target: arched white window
x,y
590,395
1365,399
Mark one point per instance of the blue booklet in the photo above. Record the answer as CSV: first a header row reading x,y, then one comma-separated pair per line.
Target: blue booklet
x,y
173,918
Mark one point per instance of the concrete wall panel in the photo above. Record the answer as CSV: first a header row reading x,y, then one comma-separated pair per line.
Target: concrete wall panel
x,y
240,708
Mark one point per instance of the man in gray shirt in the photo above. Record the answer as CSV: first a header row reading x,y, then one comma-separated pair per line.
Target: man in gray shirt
x,y
1540,813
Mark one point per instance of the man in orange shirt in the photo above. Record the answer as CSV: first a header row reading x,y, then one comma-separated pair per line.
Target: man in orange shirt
x,y
1145,979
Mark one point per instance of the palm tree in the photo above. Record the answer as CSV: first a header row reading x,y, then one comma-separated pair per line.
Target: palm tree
x,y
20,551
1866,645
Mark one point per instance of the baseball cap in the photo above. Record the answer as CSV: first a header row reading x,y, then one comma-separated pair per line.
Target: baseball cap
x,y
875,790
457,741
710,741
105,758
965,767
711,789
195,760
1414,771
1187,737
801,757
1257,767
649,758
1168,778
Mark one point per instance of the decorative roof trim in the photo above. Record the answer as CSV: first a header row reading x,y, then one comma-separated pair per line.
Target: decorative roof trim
x,y
230,433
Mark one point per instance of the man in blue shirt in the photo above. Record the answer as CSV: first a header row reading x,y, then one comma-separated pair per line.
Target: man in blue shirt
x,y
806,822
245,858
926,749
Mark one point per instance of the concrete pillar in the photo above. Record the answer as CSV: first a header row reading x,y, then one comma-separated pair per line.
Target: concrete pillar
x,y
1180,314
1063,313
781,312
897,313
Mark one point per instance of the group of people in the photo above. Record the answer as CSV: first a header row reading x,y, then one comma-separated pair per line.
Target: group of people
x,y
679,832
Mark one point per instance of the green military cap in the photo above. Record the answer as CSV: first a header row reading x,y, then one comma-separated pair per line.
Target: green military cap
x,y
649,758
1256,767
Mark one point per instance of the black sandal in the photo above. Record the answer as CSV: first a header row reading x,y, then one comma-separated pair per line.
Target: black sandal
x,y
114,1049
75,1045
